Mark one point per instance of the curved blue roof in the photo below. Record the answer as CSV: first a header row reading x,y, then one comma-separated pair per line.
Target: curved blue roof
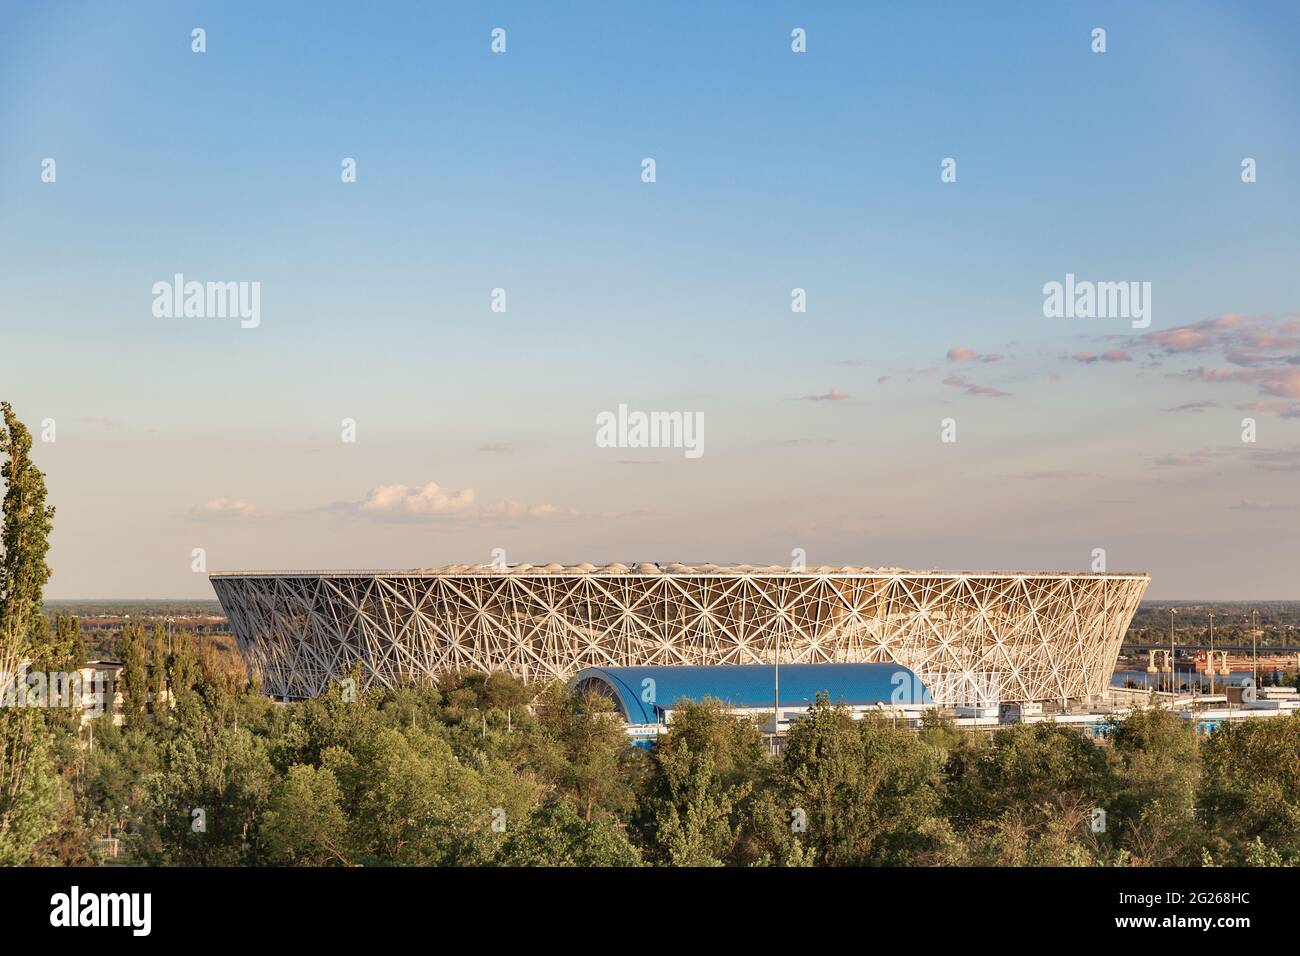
x,y
643,694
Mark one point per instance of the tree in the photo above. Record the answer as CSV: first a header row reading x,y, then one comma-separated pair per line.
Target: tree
x,y
24,539
333,719
134,675
580,747
59,651
870,792
1026,764
701,776
409,801
1041,834
304,824
202,805
69,651
27,792
557,835
1156,771
29,803
182,673
1250,788
158,670
38,648
1026,798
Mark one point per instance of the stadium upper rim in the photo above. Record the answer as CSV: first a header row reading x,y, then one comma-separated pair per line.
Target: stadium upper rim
x,y
669,570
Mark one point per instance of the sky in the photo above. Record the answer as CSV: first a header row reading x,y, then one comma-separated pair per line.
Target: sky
x,y
774,170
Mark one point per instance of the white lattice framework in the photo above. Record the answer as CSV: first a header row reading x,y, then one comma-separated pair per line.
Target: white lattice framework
x,y
970,636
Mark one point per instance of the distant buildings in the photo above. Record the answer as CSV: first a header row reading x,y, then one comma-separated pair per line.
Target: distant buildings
x,y
104,697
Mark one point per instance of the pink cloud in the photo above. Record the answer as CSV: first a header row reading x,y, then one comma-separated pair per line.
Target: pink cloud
x,y
1283,381
971,388
960,354
1248,339
834,395
1110,355
1185,339
1280,408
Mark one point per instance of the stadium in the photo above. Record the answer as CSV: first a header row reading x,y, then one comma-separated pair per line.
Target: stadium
x,y
970,636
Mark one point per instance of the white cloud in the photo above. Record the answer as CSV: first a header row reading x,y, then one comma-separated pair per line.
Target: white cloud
x,y
224,508
429,499
436,501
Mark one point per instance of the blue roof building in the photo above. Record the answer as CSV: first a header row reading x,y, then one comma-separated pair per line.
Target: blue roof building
x,y
645,695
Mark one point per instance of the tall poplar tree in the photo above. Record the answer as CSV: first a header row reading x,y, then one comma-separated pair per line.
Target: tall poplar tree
x,y
70,644
182,672
134,675
59,646
158,669
24,541
27,786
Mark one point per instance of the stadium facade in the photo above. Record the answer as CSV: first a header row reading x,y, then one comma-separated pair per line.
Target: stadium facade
x,y
971,636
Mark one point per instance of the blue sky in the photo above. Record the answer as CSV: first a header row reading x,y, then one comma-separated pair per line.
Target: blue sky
x,y
775,170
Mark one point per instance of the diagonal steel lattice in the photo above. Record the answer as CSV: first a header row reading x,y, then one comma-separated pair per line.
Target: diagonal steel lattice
x,y
972,637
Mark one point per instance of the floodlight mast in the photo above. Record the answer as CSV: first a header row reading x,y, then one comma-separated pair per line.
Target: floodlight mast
x,y
1211,661
1173,667
776,690
1254,646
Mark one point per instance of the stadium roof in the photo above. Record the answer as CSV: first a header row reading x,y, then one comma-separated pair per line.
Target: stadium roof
x,y
750,686
673,568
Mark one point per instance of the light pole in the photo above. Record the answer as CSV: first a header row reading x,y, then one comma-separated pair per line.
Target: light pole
x,y
1254,646
1173,668
776,690
1211,652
